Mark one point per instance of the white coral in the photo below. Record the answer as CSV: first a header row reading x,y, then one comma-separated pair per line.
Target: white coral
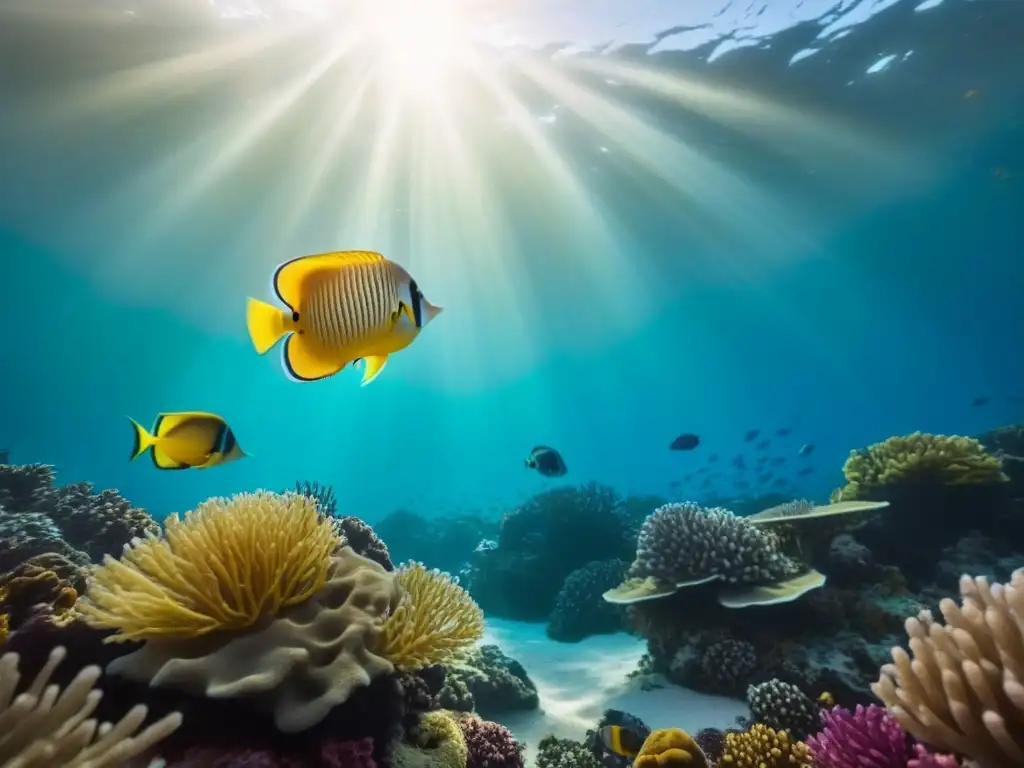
x,y
47,726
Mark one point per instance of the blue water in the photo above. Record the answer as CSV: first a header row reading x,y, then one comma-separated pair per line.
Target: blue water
x,y
887,305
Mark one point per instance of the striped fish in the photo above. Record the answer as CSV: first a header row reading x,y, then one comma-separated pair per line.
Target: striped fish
x,y
340,307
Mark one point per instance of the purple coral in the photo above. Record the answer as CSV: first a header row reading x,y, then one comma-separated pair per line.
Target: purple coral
x,y
868,737
924,759
489,744
348,754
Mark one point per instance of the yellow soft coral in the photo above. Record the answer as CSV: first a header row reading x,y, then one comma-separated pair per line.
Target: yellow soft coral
x,y
435,619
919,458
438,743
226,565
28,586
764,747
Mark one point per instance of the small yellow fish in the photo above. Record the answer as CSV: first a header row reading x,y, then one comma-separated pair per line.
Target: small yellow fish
x,y
826,700
191,439
341,307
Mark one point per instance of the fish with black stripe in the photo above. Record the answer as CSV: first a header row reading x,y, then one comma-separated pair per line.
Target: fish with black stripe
x,y
340,308
187,440
622,740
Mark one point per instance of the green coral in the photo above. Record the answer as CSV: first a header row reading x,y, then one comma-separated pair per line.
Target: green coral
x,y
436,742
553,752
918,459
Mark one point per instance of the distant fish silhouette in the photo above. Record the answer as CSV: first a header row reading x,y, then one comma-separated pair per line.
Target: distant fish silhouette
x,y
547,461
806,449
739,462
751,435
983,400
777,461
763,444
764,477
674,484
806,471
685,442
712,458
782,431
780,482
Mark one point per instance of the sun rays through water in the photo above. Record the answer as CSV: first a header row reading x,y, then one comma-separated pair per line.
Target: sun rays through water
x,y
492,171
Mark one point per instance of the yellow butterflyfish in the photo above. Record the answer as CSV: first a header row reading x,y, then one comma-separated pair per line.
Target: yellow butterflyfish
x,y
187,440
340,307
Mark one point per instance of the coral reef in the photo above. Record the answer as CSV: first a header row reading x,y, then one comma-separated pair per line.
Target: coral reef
x,y
446,543
435,620
670,747
867,737
213,570
30,585
46,726
553,752
93,524
978,655
919,459
541,543
783,707
489,745
579,610
764,747
496,683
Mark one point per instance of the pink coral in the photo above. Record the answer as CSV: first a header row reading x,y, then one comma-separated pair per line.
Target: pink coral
x,y
347,754
490,745
925,759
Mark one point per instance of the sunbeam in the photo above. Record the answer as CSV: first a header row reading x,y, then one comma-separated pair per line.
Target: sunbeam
x,y
394,126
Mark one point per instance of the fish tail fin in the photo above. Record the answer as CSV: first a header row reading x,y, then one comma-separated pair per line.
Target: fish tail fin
x,y
143,440
266,325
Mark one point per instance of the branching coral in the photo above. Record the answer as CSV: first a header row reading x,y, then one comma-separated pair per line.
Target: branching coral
x,y
489,745
961,687
763,747
45,726
434,621
226,565
867,737
919,458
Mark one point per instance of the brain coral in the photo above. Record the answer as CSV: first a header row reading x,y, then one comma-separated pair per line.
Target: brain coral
x,y
685,543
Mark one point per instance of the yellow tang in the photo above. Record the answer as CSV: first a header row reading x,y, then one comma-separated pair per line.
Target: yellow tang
x,y
191,439
341,307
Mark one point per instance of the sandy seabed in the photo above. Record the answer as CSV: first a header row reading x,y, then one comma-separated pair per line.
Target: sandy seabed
x,y
577,682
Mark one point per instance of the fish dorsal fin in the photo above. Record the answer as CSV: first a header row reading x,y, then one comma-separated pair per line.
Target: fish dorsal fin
x,y
290,277
167,422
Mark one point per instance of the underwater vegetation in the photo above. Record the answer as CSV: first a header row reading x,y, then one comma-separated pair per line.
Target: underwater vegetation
x,y
268,629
